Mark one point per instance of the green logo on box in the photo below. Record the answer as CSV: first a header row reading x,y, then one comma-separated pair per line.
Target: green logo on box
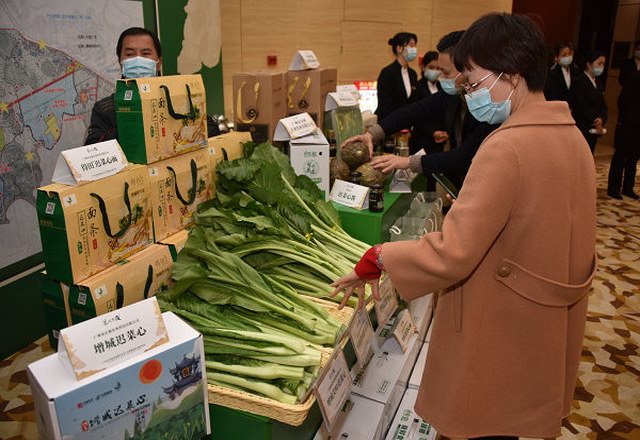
x,y
79,247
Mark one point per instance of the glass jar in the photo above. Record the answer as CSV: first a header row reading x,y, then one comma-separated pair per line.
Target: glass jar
x,y
376,198
355,177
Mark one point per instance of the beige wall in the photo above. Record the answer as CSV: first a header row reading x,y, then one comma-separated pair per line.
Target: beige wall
x,y
348,34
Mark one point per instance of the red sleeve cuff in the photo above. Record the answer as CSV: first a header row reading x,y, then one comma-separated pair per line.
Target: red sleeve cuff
x,y
369,267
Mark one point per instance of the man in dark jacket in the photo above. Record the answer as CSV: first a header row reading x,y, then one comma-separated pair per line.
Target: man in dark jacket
x,y
136,46
631,65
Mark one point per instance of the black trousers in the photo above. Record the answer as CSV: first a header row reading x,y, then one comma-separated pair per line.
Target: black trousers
x,y
622,171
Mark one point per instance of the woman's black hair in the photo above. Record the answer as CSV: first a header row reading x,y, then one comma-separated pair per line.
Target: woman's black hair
x,y
432,55
509,43
560,46
401,39
591,57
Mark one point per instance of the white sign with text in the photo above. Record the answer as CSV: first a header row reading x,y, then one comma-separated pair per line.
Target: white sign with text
x,y
107,340
304,60
350,195
361,334
388,302
334,388
89,163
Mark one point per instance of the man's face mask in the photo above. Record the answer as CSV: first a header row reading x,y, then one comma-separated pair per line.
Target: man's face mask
x,y
139,67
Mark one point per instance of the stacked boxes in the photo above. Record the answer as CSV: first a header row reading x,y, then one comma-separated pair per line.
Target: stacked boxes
x,y
307,91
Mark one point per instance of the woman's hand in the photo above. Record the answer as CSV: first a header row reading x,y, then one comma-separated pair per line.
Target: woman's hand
x,y
389,162
365,138
352,282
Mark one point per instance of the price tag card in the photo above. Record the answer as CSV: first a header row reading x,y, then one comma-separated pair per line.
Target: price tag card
x,y
349,88
294,127
107,340
404,328
350,195
388,302
340,99
89,163
333,388
361,333
303,60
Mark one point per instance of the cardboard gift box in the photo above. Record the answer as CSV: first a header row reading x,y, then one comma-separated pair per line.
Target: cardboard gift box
x,y
175,243
307,91
407,425
161,117
178,186
55,302
87,228
258,102
159,393
309,157
226,146
416,376
142,276
361,420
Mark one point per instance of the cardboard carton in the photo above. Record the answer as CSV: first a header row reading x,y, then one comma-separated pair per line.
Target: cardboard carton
x,y
161,117
362,420
226,146
178,186
258,102
55,302
87,228
407,425
307,91
418,368
175,242
142,276
126,401
309,156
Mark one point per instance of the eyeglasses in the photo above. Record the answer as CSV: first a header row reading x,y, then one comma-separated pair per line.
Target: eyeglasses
x,y
468,88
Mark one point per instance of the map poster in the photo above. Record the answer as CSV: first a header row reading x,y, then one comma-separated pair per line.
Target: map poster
x,y
57,59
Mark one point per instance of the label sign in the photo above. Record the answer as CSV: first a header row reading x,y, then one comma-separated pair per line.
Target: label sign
x,y
404,329
388,302
294,127
303,60
349,194
361,333
107,340
340,99
334,388
89,163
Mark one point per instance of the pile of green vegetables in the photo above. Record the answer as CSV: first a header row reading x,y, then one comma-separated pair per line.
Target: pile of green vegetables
x,y
268,237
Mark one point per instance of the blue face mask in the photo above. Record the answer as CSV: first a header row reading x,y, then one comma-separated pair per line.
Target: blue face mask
x,y
565,61
410,53
484,109
139,67
449,85
431,74
597,70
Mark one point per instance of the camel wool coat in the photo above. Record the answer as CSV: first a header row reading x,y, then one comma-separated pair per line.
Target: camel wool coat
x,y
516,256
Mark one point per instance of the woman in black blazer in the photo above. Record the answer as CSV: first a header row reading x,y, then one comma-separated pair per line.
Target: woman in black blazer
x,y
588,106
397,82
561,75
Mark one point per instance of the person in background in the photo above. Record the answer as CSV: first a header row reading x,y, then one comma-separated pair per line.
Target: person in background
x,y
508,330
465,133
631,65
559,78
397,82
430,70
139,55
622,171
587,97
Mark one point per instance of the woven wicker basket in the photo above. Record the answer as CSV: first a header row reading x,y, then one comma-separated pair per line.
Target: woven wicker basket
x,y
263,406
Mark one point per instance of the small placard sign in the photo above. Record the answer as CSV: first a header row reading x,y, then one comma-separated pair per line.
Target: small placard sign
x,y
388,302
350,195
107,340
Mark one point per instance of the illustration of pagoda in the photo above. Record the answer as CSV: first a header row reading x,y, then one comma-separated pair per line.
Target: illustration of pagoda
x,y
186,373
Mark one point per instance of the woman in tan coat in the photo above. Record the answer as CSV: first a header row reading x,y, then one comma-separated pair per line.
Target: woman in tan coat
x,y
516,253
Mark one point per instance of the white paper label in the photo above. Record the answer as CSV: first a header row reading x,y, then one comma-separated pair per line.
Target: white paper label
x,y
69,200
361,333
50,209
294,127
388,302
107,340
344,99
404,329
349,194
334,388
96,161
349,88
128,95
304,59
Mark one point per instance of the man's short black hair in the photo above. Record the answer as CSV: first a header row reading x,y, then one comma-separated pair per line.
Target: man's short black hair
x,y
138,31
509,43
448,43
401,39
